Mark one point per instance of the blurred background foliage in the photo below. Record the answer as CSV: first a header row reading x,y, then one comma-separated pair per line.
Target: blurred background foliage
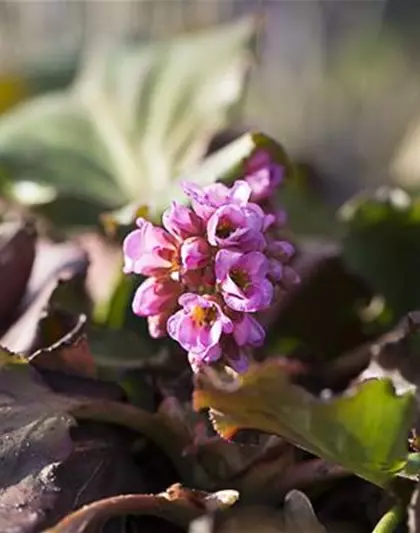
x,y
335,81
124,98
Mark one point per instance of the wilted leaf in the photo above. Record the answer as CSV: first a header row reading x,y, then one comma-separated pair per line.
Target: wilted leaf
x,y
349,429
17,254
382,244
178,504
135,118
34,441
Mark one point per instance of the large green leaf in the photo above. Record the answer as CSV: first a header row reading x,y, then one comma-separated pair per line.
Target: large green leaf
x,y
382,244
364,430
135,118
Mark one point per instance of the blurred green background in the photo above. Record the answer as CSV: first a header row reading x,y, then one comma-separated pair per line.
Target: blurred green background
x,y
335,81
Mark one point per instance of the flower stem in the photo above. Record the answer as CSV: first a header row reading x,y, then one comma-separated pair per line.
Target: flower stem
x,y
389,522
91,515
169,437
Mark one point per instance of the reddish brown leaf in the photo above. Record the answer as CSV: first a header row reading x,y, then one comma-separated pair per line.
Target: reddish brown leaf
x,y
52,263
17,253
66,345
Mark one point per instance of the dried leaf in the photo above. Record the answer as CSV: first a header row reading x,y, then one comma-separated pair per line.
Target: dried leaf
x,y
65,345
52,263
17,254
34,441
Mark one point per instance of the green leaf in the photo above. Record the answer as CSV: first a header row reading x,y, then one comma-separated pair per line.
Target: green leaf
x,y
136,117
364,430
382,244
117,349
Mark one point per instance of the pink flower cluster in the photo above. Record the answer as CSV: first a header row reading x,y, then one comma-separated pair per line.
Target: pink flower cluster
x,y
213,266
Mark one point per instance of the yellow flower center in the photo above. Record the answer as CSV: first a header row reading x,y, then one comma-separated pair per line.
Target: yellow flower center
x,y
204,316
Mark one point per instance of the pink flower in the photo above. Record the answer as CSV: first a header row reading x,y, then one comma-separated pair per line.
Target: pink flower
x,y
282,250
199,325
207,199
195,253
281,218
243,280
200,280
157,324
275,270
210,267
149,250
154,296
248,331
290,278
263,176
197,360
233,226
279,254
181,222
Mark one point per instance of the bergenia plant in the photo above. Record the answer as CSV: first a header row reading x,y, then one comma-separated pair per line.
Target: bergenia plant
x,y
214,266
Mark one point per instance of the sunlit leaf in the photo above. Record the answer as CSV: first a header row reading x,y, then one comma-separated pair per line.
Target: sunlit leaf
x,y
364,430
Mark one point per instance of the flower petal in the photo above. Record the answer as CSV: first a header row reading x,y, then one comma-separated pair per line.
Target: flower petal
x,y
224,261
